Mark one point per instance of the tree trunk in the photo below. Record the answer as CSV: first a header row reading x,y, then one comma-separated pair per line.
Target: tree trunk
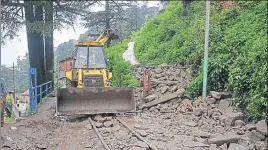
x,y
49,53
107,19
32,42
186,4
107,11
40,42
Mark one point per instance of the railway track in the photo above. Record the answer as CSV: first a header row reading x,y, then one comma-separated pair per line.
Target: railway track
x,y
124,124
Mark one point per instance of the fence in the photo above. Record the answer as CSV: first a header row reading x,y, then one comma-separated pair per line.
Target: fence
x,y
36,92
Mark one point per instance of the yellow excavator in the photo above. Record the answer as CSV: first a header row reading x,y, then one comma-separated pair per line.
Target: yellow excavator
x,y
90,90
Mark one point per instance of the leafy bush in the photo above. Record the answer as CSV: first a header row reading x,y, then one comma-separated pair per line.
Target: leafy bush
x,y
9,102
237,48
122,70
8,105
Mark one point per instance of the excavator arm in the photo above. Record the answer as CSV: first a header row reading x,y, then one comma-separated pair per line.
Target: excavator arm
x,y
101,40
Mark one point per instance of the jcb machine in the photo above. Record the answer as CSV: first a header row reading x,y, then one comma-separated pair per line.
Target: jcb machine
x,y
90,91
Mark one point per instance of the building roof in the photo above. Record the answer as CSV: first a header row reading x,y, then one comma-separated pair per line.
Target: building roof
x,y
11,68
68,58
26,93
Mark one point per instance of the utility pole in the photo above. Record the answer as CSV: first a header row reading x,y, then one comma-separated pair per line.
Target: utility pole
x,y
14,87
205,75
0,34
0,63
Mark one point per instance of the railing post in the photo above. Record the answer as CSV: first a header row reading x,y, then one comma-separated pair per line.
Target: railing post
x,y
46,89
41,92
30,90
35,89
50,87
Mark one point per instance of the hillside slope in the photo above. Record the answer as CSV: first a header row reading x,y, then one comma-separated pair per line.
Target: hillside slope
x,y
237,48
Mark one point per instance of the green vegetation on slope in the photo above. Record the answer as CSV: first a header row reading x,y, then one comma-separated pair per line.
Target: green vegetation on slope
x,y
237,48
122,70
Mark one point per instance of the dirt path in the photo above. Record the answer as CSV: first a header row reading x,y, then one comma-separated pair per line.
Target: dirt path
x,y
128,55
44,130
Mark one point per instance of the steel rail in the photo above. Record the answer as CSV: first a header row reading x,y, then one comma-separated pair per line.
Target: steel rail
x,y
99,135
138,135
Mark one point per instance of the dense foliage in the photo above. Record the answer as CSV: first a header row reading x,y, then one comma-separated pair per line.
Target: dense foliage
x,y
237,48
122,70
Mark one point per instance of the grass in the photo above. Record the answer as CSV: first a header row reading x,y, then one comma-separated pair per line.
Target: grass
x,y
10,120
44,99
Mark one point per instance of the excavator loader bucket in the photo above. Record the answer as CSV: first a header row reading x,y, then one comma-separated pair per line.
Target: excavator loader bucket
x,y
93,100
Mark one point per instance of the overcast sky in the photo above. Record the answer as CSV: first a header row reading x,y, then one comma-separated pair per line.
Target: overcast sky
x,y
18,46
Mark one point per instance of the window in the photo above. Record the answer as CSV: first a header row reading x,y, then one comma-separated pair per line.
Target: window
x,y
96,57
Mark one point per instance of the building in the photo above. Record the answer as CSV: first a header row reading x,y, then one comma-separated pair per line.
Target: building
x,y
65,65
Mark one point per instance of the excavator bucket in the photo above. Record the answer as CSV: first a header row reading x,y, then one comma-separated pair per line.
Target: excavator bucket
x,y
94,100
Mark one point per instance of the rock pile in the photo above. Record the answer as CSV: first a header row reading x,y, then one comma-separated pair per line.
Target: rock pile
x,y
216,115
219,125
165,80
212,121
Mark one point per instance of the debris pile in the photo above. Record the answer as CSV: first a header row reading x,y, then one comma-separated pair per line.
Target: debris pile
x,y
216,115
167,82
213,121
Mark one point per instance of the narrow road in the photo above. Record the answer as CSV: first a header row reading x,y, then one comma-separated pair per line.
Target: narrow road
x,y
128,55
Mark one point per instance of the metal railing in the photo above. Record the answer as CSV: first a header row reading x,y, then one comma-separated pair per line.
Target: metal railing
x,y
47,89
37,92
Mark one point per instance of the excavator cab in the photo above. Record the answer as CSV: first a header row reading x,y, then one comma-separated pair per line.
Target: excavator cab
x,y
91,91
90,58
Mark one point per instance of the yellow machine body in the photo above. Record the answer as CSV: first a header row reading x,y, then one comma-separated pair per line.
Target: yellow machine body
x,y
81,73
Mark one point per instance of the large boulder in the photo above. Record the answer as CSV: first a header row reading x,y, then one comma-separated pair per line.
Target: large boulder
x,y
226,138
250,127
197,111
224,147
262,127
253,136
150,98
108,123
158,70
239,123
224,106
214,94
141,144
201,134
99,118
164,89
210,100
234,146
231,117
